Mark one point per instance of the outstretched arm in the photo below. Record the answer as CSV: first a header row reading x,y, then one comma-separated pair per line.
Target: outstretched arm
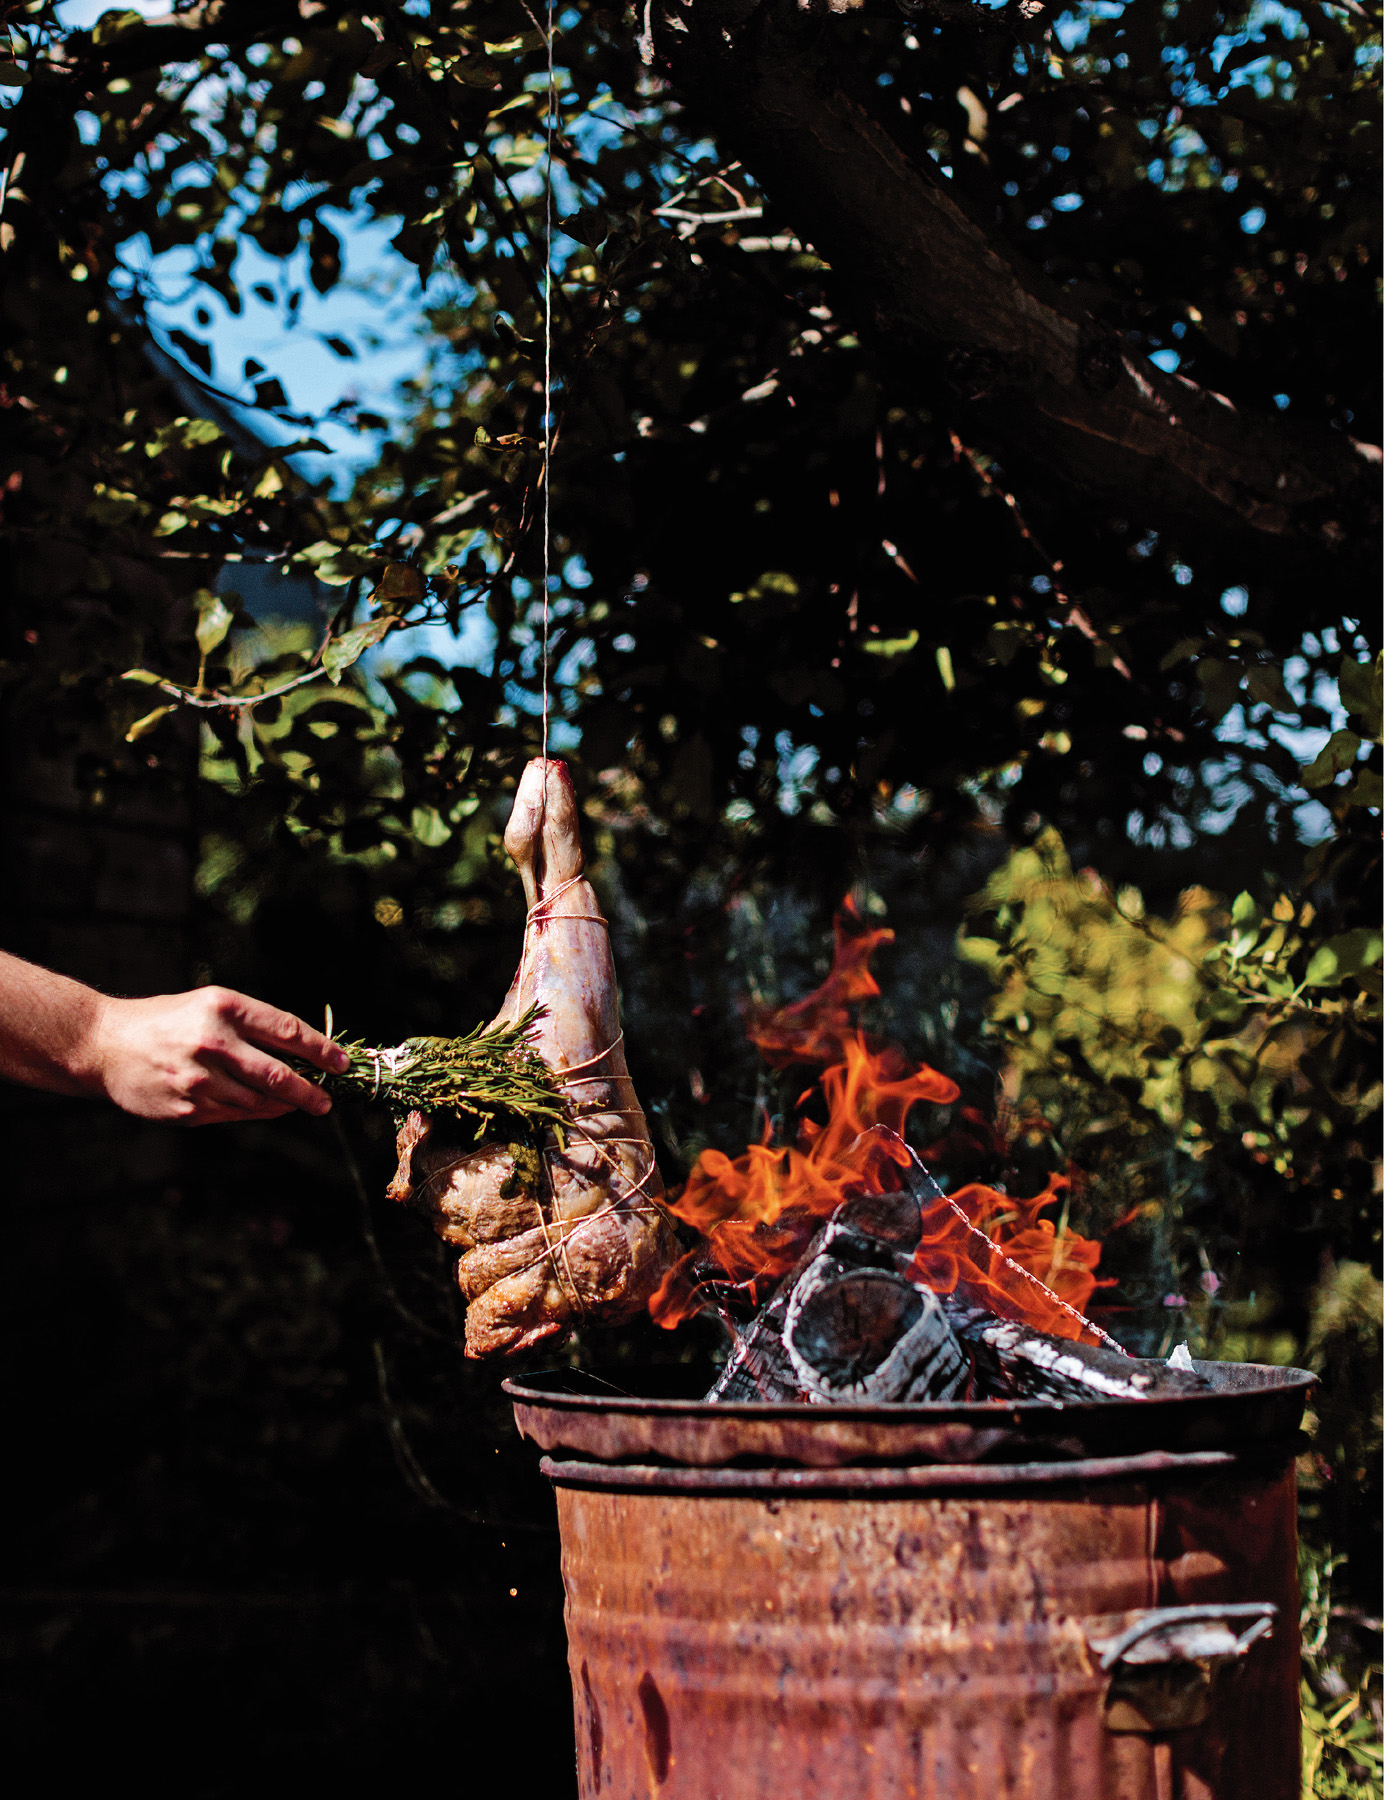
x,y
200,1058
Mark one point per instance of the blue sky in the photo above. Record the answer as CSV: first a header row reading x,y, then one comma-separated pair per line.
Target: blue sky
x,y
376,309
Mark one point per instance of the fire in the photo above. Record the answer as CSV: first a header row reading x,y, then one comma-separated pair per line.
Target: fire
x,y
817,1029
755,1212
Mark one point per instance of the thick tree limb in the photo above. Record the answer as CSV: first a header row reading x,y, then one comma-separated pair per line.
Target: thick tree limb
x,y
1050,390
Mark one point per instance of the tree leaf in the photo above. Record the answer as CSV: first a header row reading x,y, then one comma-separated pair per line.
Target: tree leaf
x,y
399,587
341,652
1360,689
342,567
1338,753
214,620
142,727
1347,954
113,25
1181,650
145,677
891,647
1265,685
1245,911
429,827
1367,789
1220,685
511,105
528,40
477,71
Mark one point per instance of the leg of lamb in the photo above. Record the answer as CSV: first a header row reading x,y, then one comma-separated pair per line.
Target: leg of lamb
x,y
555,1233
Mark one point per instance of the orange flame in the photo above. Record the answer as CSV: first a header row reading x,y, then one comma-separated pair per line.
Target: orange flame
x,y
755,1212
816,1029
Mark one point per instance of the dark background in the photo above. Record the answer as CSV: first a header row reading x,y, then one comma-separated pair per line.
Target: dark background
x,y
220,1558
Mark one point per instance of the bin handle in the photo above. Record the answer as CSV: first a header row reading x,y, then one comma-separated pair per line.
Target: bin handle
x,y
1253,1618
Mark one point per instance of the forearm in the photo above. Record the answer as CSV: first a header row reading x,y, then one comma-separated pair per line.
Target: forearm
x,y
201,1058
49,1027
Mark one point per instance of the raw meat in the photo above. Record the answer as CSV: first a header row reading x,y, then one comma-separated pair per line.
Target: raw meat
x,y
550,1236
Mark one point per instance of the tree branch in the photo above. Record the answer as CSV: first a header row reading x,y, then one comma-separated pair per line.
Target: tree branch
x,y
1052,390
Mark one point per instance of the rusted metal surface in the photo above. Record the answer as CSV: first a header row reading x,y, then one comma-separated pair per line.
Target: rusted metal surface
x,y
881,1634
924,1478
582,1416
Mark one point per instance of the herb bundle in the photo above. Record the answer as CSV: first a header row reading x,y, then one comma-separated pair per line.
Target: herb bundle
x,y
490,1074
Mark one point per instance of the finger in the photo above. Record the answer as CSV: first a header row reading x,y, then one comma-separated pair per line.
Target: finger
x,y
212,1114
276,1030
217,1098
273,1080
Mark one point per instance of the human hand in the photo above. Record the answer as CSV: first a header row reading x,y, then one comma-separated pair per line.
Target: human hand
x,y
201,1058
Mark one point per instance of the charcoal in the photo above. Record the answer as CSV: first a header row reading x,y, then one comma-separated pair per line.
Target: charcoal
x,y
919,1187
895,1220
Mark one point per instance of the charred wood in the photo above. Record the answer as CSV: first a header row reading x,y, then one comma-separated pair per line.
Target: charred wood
x,y
847,1324
1015,1362
870,1335
851,1322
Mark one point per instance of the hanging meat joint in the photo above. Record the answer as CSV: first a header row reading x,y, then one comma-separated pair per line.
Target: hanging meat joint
x,y
569,1227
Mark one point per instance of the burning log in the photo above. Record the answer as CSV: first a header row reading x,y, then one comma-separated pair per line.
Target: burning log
x,y
855,1321
847,1323
754,1211
1012,1361
870,1334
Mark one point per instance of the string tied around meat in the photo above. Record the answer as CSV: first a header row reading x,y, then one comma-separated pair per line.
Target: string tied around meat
x,y
539,913
569,1078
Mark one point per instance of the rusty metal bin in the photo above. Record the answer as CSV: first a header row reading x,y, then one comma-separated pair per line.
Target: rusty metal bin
x,y
837,1621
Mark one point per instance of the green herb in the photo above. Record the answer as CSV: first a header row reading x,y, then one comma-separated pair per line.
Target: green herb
x,y
489,1074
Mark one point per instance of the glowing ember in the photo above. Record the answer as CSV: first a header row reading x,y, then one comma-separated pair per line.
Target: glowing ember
x,y
756,1212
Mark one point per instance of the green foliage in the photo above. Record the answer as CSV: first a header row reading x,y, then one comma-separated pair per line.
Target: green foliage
x,y
492,1074
742,482
1342,1757
1199,1023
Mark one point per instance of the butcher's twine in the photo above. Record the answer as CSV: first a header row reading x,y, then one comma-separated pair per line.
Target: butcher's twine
x,y
548,372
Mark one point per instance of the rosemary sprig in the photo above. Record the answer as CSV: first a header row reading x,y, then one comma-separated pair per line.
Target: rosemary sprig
x,y
488,1074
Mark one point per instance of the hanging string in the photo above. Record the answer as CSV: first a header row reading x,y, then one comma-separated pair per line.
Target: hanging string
x,y
548,374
